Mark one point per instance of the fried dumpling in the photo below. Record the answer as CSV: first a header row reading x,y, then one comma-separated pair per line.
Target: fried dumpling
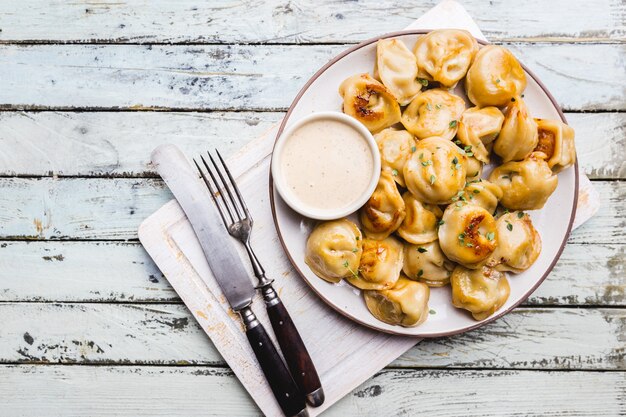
x,y
436,171
420,222
397,69
519,243
482,193
433,113
395,148
480,291
471,144
518,136
495,77
384,211
474,168
333,250
445,55
380,266
525,185
556,142
485,122
406,304
427,263
370,102
468,234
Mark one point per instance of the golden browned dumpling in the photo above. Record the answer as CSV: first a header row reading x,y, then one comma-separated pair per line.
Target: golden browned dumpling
x,y
333,250
433,113
395,148
474,168
482,193
397,69
468,234
381,263
519,244
384,211
445,55
480,291
405,304
370,102
427,263
495,77
435,172
471,144
525,185
518,136
420,223
485,122
556,142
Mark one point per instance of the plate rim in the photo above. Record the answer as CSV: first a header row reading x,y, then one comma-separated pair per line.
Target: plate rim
x,y
490,319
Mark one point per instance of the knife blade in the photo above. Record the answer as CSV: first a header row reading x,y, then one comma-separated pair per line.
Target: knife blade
x,y
228,270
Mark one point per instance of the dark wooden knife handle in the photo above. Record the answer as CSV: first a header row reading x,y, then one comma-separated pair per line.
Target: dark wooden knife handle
x,y
293,348
285,390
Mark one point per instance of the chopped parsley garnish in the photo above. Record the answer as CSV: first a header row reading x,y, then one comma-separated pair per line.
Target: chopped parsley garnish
x,y
421,156
355,250
347,265
423,82
441,222
429,107
426,163
476,191
498,81
452,124
413,148
455,161
520,214
422,250
490,236
432,179
509,226
438,106
431,311
420,272
394,172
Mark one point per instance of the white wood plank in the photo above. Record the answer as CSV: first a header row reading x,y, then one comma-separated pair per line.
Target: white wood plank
x,y
252,77
103,209
119,144
296,21
75,391
116,144
51,271
528,338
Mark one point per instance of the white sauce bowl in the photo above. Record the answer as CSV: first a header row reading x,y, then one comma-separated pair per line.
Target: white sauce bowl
x,y
280,181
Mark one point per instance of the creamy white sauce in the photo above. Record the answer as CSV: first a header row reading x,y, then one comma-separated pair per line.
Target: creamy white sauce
x,y
326,164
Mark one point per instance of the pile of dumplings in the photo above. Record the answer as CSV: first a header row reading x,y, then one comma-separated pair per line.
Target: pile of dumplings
x,y
432,220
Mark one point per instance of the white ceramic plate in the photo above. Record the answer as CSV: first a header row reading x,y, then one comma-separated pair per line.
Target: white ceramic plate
x,y
553,222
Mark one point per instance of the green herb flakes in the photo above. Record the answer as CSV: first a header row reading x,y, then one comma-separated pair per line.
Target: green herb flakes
x,y
422,250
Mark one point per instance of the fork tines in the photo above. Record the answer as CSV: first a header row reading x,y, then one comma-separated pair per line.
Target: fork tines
x,y
232,201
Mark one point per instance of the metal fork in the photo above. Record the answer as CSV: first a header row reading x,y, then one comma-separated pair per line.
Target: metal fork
x,y
238,222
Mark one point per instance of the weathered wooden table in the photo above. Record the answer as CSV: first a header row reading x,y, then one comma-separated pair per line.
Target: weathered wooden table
x,y
88,88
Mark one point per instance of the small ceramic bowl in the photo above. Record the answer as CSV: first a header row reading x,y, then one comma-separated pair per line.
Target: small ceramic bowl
x,y
280,181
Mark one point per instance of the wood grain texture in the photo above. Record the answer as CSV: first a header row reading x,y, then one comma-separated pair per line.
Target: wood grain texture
x,y
528,338
297,21
252,77
586,275
119,144
104,209
73,391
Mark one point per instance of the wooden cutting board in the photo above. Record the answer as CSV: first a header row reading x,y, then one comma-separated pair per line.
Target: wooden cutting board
x,y
345,353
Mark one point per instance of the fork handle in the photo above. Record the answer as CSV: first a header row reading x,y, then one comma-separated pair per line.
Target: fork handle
x,y
293,348
285,390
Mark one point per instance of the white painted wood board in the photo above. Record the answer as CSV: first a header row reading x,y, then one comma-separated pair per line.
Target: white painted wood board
x,y
122,272
118,144
253,77
77,391
276,21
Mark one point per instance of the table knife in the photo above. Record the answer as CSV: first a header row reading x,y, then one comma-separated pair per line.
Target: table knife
x,y
228,269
